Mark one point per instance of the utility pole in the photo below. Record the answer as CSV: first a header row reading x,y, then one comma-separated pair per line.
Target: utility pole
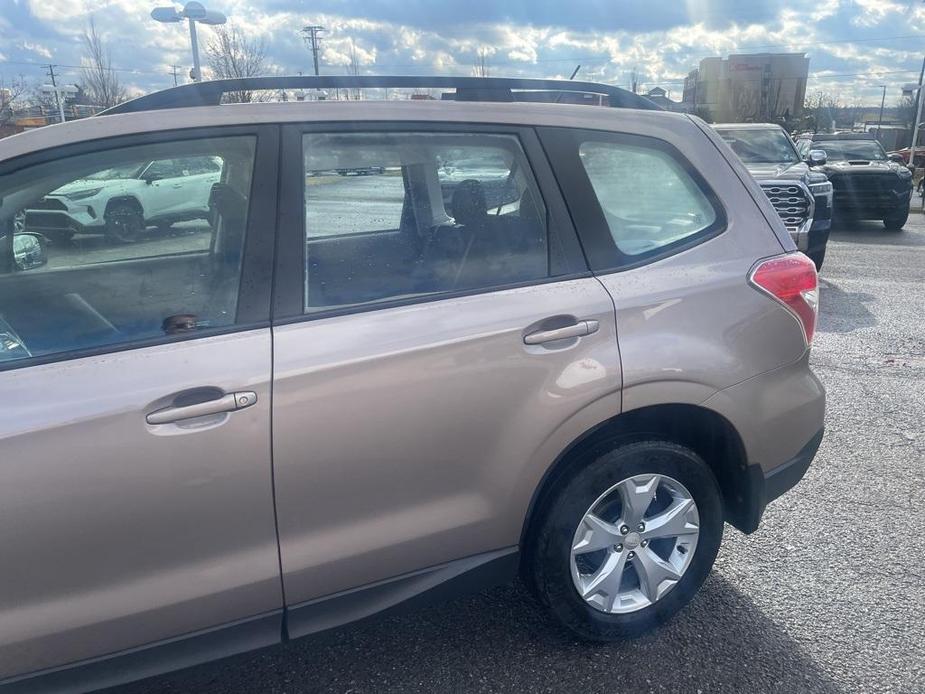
x,y
880,117
54,84
918,115
173,71
311,36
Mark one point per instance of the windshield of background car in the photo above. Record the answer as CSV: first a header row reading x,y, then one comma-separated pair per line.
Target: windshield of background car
x,y
114,173
852,150
765,146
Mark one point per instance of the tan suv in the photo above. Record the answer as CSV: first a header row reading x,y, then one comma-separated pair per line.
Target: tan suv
x,y
566,340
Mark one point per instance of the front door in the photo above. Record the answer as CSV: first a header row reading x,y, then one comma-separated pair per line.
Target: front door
x,y
443,326
135,473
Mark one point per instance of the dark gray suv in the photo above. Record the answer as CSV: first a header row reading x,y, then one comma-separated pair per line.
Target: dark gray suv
x,y
801,195
563,340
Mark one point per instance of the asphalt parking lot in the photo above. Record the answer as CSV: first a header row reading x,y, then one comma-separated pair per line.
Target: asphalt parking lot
x,y
828,596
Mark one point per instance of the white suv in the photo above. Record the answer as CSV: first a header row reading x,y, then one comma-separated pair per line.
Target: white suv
x,y
121,202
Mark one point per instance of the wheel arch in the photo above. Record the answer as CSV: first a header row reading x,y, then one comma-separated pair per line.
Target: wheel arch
x,y
124,198
703,430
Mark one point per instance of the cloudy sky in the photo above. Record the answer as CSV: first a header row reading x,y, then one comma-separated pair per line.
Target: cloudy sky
x,y
854,45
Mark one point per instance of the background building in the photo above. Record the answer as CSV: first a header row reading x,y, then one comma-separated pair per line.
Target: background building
x,y
758,87
662,97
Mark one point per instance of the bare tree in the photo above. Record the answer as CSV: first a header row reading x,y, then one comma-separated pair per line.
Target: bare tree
x,y
100,81
905,110
12,93
230,54
480,67
821,109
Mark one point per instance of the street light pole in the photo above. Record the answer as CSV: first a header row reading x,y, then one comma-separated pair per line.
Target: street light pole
x,y
194,42
192,12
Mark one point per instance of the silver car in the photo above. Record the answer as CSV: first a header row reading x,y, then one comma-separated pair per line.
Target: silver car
x,y
356,392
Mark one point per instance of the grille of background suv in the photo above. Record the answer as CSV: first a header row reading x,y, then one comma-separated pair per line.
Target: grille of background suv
x,y
791,202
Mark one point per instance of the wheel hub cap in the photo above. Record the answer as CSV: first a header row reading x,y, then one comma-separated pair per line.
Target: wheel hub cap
x,y
616,571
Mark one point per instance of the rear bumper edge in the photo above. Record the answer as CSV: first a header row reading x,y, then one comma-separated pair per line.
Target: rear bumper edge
x,y
785,477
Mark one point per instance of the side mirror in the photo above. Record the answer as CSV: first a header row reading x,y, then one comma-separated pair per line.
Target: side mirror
x,y
151,177
816,157
29,251
898,158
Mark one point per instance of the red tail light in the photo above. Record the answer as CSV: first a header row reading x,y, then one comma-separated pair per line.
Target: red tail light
x,y
792,280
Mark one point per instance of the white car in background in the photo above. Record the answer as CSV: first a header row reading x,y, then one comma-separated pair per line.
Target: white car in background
x,y
122,202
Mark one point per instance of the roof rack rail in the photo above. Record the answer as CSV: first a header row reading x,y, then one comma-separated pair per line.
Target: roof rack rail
x,y
210,93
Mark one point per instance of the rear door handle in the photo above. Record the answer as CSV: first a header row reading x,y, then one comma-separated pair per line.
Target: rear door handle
x,y
226,403
579,329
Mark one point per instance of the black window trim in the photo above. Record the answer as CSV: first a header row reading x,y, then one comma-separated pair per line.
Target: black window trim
x,y
289,281
255,281
603,256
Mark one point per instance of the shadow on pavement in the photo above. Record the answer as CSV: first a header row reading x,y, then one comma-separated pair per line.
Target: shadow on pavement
x,y
841,311
501,641
873,232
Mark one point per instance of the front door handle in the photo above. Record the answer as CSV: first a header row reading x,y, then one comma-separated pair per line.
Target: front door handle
x,y
579,329
226,403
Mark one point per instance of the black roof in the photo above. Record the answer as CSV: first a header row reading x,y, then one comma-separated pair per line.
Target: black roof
x,y
829,137
210,93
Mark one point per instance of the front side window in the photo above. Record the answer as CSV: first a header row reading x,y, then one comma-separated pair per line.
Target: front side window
x,y
402,215
648,199
94,253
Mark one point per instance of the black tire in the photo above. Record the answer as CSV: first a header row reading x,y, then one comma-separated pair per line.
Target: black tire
x,y
547,557
817,256
124,222
897,222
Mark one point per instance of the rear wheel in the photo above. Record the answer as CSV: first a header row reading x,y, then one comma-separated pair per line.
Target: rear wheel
x,y
896,221
124,222
627,540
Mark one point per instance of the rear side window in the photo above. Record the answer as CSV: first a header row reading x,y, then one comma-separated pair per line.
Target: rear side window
x,y
634,199
647,198
402,215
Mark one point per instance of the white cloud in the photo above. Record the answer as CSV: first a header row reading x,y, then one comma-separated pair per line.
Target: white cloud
x,y
875,11
542,41
36,48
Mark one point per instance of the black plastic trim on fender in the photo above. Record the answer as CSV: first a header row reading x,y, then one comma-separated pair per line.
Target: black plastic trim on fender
x,y
433,585
767,486
786,476
153,659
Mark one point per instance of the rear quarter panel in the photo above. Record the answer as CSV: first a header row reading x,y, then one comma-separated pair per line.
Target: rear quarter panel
x,y
690,324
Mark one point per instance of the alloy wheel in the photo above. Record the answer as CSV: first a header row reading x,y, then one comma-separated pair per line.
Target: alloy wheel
x,y
634,543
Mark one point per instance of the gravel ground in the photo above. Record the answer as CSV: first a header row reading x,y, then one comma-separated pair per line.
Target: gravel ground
x,y
828,596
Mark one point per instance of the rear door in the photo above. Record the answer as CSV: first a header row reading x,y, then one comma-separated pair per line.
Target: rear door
x,y
435,325
135,474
